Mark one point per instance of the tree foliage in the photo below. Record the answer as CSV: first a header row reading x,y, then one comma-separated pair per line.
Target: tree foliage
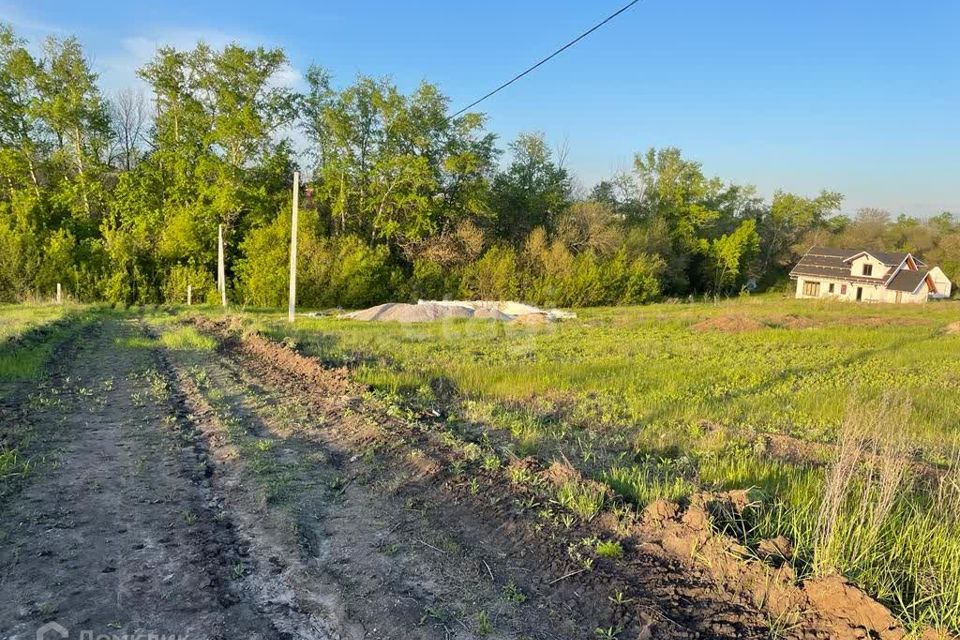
x,y
120,198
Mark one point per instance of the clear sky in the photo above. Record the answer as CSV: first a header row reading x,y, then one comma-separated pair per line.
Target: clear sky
x,y
858,96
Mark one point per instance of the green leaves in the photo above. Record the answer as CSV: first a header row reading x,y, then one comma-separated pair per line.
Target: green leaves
x,y
394,168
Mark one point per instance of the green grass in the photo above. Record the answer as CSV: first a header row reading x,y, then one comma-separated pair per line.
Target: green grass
x,y
656,406
583,500
648,366
609,549
187,338
646,483
27,360
12,465
18,319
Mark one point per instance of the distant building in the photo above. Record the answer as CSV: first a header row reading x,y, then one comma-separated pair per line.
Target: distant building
x,y
870,276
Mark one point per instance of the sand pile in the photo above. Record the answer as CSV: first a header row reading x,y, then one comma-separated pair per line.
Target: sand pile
x,y
432,310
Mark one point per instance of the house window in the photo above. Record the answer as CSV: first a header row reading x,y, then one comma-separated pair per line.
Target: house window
x,y
830,288
843,289
868,269
811,289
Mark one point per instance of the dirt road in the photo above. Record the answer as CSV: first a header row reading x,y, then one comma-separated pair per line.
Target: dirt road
x,y
244,491
119,531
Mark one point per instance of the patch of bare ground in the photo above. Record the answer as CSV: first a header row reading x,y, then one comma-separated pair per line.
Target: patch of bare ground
x,y
952,329
729,324
117,530
677,576
17,398
793,321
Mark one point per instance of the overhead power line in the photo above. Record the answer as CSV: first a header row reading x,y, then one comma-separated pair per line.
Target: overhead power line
x,y
549,57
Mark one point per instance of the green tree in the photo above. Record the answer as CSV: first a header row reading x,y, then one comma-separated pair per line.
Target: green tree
x,y
789,219
729,255
394,168
532,192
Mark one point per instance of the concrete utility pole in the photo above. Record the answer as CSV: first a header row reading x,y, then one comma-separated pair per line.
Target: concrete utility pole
x,y
221,268
292,305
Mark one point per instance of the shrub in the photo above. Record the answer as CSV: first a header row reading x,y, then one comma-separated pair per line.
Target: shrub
x,y
432,281
180,276
493,277
357,275
340,271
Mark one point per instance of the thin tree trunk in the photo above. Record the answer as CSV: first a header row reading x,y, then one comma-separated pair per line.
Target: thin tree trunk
x,y
83,180
33,175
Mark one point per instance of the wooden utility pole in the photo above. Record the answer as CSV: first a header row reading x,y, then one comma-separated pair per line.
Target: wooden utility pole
x,y
189,294
221,268
292,304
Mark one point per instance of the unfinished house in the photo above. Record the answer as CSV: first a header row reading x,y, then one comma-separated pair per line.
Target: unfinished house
x,y
867,275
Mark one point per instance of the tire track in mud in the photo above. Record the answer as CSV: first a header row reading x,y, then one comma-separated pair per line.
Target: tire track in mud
x,y
477,545
336,547
119,533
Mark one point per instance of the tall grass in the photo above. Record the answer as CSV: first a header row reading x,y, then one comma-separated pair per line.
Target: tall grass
x,y
866,516
868,473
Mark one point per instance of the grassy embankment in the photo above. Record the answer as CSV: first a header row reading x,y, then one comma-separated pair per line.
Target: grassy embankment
x,y
665,400
24,360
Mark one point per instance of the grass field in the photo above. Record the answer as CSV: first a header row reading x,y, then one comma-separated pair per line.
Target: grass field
x,y
16,319
26,361
666,400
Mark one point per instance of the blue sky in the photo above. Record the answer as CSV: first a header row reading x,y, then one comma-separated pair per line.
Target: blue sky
x,y
854,96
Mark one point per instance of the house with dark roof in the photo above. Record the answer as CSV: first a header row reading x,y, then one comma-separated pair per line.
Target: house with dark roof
x,y
867,275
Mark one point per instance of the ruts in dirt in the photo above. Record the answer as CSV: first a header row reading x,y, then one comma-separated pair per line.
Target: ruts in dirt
x,y
117,531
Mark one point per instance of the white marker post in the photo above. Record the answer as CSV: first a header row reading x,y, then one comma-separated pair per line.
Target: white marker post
x,y
221,268
189,294
59,295
292,304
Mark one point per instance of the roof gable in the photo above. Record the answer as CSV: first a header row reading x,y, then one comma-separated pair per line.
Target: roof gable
x,y
887,258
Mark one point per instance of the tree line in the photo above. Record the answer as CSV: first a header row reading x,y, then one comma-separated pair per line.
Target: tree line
x,y
119,197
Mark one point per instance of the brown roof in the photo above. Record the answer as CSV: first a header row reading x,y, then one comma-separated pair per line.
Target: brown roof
x,y
907,281
827,262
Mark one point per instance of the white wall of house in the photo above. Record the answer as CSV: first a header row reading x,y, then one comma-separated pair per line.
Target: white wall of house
x,y
847,291
878,270
903,296
941,282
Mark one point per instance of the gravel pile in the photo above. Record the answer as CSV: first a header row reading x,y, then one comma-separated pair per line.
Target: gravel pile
x,y
432,310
